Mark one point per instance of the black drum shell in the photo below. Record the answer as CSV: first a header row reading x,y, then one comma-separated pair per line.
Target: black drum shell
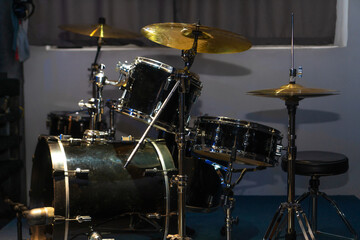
x,y
204,184
108,191
149,83
256,144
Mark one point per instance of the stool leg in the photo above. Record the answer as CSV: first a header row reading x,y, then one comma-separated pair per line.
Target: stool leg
x,y
342,216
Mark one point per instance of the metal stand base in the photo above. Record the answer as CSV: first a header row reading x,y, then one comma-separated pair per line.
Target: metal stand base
x,y
277,223
177,237
313,194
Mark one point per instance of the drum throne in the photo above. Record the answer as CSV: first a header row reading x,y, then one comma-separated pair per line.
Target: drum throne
x,y
318,164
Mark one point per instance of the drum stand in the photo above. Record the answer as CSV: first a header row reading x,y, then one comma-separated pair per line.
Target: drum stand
x,y
182,81
228,199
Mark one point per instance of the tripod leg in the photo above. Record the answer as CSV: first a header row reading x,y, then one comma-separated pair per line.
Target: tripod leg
x,y
340,213
302,197
271,230
300,214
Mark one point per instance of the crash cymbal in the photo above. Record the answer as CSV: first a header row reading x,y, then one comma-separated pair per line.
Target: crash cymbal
x,y
99,30
181,36
293,90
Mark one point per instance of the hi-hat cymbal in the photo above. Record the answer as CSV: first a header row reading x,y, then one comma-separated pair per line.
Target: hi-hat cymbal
x,y
99,30
293,90
181,36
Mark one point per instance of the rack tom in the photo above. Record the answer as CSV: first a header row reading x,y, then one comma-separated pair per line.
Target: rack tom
x,y
148,83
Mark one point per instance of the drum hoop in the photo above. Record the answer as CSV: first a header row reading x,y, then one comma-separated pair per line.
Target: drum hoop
x,y
241,156
154,63
167,188
59,162
146,119
247,124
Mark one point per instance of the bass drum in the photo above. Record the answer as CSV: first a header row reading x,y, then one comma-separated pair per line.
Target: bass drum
x,y
83,181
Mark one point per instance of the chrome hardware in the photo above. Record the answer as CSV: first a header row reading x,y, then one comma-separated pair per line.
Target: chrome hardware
x,y
279,148
95,236
95,136
100,78
127,139
79,219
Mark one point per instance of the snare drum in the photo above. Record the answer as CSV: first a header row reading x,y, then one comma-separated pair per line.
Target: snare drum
x,y
84,181
256,144
148,84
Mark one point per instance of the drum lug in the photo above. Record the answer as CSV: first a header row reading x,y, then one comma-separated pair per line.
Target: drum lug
x,y
79,219
246,139
154,215
78,172
181,180
279,148
157,108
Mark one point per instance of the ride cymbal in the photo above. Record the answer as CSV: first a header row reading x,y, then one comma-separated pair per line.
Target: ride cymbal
x,y
181,36
293,90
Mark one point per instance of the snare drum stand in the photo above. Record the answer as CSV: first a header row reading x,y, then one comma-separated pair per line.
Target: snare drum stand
x,y
228,198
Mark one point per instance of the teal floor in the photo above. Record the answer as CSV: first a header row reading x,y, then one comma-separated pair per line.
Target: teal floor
x,y
254,214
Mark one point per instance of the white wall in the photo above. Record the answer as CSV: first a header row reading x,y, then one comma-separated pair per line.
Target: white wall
x,y
58,79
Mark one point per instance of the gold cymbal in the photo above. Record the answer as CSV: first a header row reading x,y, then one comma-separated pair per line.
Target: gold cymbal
x,y
293,90
181,36
99,30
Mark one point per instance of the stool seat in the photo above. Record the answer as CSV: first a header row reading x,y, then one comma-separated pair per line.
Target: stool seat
x,y
318,163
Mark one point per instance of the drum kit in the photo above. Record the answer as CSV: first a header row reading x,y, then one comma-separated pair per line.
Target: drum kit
x,y
87,184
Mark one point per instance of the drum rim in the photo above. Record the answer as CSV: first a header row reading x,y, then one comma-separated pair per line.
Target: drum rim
x,y
195,78
152,62
79,114
242,157
233,121
146,118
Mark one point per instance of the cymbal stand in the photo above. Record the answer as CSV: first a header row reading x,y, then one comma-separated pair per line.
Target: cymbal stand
x,y
183,82
111,104
291,206
94,66
95,105
182,76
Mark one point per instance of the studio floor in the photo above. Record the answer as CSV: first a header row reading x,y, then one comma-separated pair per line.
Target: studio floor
x,y
254,215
